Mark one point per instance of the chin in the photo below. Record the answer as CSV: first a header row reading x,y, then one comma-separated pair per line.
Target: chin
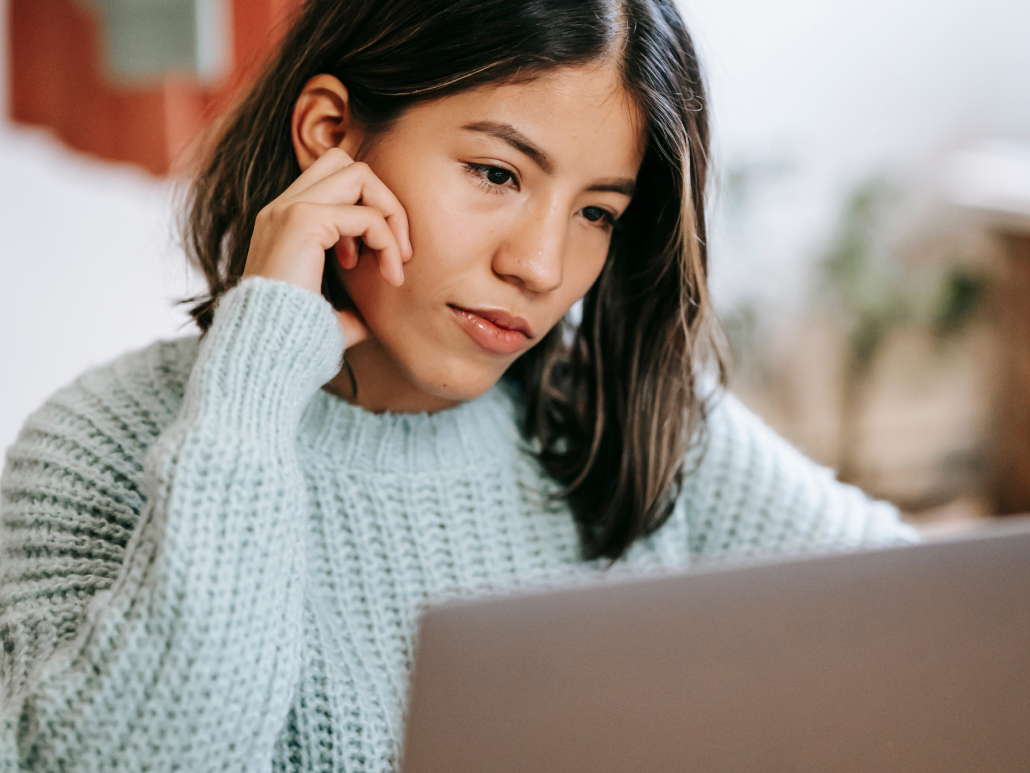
x,y
455,378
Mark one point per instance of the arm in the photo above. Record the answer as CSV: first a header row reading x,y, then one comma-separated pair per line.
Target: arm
x,y
188,659
751,493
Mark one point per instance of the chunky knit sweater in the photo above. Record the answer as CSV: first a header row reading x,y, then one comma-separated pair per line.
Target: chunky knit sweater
x,y
209,563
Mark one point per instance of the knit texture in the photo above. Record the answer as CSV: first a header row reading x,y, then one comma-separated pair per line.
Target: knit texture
x,y
209,563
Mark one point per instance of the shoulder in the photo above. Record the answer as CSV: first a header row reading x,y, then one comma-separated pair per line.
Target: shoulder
x,y
110,413
72,484
92,435
748,490
733,435
83,450
733,439
72,491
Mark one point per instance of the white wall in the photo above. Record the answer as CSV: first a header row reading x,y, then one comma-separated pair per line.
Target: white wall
x,y
87,265
831,92
835,90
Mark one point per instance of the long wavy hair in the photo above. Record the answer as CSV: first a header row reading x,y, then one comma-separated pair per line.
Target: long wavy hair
x,y
612,400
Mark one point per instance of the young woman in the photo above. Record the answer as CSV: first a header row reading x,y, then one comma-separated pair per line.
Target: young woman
x,y
215,549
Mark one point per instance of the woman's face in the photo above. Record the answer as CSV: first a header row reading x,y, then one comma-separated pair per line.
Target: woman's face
x,y
510,193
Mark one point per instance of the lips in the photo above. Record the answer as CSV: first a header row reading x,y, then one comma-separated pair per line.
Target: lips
x,y
494,329
501,319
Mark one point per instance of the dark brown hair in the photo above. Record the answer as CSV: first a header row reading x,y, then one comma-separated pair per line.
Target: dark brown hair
x,y
612,401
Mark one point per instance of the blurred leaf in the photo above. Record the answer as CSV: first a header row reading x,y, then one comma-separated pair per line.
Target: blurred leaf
x,y
877,294
961,295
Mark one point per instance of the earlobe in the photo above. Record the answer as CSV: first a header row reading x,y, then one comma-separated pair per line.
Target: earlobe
x,y
322,120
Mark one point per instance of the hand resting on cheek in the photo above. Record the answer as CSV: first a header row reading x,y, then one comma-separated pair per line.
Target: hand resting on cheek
x,y
333,202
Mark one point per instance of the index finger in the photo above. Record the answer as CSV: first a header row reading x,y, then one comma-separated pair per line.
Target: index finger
x,y
358,184
330,162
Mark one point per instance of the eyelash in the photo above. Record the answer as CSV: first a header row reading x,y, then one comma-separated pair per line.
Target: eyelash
x,y
606,221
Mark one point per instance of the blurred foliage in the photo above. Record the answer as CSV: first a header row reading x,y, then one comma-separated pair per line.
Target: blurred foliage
x,y
961,294
877,293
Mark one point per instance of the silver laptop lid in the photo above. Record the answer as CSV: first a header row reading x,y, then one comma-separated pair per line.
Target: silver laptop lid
x,y
908,659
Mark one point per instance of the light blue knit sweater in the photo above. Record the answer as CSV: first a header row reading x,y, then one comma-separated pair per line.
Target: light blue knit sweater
x,y
208,563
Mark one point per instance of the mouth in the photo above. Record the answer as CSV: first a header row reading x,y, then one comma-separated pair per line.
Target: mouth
x,y
493,329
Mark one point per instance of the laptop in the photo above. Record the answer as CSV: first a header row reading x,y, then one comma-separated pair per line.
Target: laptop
x,y
902,660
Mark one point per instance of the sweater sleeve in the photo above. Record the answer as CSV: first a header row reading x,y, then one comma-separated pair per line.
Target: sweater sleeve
x,y
749,492
188,660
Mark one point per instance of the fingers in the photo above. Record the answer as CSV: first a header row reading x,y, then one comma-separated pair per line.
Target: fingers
x,y
347,250
333,160
355,329
336,203
356,183
371,227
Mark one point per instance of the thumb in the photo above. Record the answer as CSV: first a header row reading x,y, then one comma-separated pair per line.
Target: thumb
x,y
353,326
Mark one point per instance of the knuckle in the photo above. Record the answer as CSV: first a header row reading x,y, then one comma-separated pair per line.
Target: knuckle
x,y
275,210
369,216
295,213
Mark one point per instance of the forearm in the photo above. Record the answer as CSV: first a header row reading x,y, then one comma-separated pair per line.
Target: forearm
x,y
188,660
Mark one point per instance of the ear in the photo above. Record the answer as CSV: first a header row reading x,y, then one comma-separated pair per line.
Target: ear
x,y
322,120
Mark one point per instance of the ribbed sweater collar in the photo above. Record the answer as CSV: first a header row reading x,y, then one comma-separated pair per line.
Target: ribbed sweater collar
x,y
469,435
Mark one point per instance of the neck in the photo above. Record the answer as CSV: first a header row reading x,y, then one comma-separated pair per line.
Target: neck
x,y
382,385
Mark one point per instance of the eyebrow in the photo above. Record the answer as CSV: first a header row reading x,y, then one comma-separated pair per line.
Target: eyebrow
x,y
509,134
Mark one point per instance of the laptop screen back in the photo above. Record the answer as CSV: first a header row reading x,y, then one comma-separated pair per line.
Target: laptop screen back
x,y
908,659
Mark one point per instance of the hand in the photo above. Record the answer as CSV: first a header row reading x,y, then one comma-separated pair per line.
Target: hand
x,y
333,203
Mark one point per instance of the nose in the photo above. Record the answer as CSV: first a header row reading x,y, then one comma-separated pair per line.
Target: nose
x,y
532,250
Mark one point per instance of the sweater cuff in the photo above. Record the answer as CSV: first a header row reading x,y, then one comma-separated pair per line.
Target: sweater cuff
x,y
270,348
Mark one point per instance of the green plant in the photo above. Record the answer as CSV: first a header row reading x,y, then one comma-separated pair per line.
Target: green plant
x,y
876,293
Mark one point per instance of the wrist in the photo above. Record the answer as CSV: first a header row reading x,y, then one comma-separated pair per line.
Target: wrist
x,y
270,347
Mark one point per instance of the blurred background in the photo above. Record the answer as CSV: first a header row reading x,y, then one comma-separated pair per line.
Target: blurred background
x,y
870,217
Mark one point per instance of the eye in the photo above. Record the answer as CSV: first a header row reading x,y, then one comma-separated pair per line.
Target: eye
x,y
492,178
599,215
497,176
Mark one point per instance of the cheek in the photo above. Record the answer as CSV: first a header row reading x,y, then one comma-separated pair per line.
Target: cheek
x,y
452,248
449,233
588,272
584,269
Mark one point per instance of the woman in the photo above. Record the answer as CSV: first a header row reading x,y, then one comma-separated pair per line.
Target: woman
x,y
216,547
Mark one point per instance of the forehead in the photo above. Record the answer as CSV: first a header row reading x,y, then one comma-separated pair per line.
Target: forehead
x,y
582,118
